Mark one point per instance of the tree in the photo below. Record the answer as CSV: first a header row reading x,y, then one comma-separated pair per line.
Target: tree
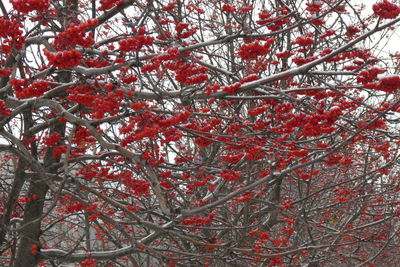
x,y
192,132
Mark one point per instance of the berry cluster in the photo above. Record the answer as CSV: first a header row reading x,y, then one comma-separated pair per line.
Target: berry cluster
x,y
249,78
370,75
169,7
135,187
197,221
231,157
82,95
24,89
193,7
108,4
58,151
187,33
230,175
152,158
314,7
187,73
258,110
10,29
52,140
228,8
254,50
284,54
82,136
274,23
4,111
386,10
99,104
388,84
254,153
64,60
179,27
327,34
352,30
301,61
5,73
129,79
231,89
191,74
73,207
26,6
88,262
135,43
201,142
304,41
75,35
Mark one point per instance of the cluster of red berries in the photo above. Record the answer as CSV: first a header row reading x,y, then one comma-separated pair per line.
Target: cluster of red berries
x,y
75,35
274,23
108,4
52,140
314,7
82,95
153,158
5,73
187,73
4,111
230,175
99,104
231,89
301,61
136,187
327,34
75,207
254,153
91,171
10,29
187,33
254,50
179,27
258,110
82,135
231,157
388,84
228,8
135,43
191,74
304,41
64,60
58,151
370,75
24,89
202,142
386,10
196,221
249,78
169,7
26,6
8,45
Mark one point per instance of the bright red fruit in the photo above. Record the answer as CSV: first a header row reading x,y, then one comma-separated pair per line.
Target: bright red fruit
x,y
386,9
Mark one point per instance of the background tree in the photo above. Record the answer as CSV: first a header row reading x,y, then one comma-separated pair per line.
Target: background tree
x,y
191,132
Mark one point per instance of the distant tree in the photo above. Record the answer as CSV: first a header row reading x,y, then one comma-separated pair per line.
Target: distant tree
x,y
199,132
